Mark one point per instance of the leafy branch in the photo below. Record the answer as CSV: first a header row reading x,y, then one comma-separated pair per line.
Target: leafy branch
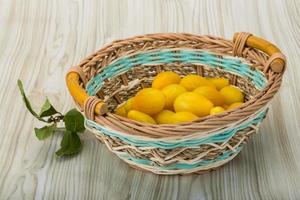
x,y
73,120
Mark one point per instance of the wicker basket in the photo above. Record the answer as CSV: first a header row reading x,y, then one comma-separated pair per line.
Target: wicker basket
x,y
117,71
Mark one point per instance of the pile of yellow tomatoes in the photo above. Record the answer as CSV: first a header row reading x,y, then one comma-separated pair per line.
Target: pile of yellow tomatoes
x,y
172,99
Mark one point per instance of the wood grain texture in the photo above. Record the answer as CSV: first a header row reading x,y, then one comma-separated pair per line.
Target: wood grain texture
x,y
40,39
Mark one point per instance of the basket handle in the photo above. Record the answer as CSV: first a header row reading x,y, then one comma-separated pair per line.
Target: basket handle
x,y
80,96
276,61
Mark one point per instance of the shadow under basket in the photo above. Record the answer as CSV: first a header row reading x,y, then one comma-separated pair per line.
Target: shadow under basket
x,y
116,72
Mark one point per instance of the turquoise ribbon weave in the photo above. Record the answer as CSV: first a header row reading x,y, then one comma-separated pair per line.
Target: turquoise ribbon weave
x,y
177,166
217,138
123,64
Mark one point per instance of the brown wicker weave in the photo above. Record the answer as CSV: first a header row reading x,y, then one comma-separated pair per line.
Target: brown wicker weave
x,y
121,87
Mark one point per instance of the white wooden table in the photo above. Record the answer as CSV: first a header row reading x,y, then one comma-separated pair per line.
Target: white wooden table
x,y
41,39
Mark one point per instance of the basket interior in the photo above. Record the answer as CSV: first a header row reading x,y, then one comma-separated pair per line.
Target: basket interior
x,y
121,79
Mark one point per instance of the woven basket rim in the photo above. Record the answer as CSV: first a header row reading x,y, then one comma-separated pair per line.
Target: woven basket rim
x,y
257,102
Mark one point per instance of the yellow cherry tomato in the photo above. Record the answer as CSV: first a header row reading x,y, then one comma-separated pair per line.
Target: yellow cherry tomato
x,y
181,117
121,111
211,94
128,104
191,82
216,110
219,82
235,105
165,78
164,117
194,103
232,94
149,101
141,117
171,92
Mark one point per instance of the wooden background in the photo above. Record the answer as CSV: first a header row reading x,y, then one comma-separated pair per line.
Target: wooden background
x,y
40,39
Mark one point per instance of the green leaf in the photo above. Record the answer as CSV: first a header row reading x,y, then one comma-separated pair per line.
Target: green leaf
x,y
27,103
74,121
44,132
70,144
47,109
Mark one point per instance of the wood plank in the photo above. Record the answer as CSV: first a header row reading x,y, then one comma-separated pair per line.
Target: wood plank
x,y
40,39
